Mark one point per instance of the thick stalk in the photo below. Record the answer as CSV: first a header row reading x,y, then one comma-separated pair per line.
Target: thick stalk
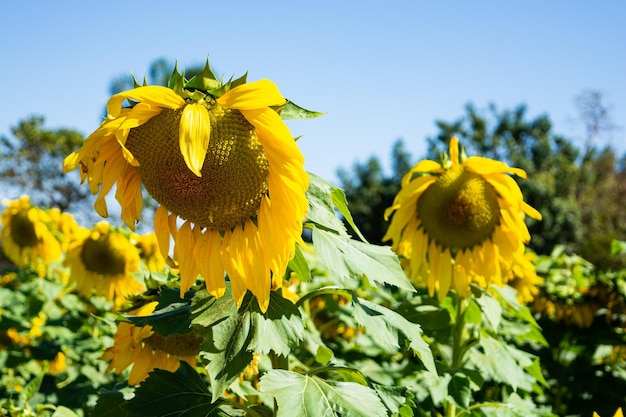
x,y
458,339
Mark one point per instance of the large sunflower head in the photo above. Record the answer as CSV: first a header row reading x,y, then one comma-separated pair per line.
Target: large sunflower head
x,y
460,221
147,350
215,155
102,261
26,236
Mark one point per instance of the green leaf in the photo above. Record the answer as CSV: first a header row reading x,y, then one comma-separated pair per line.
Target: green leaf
x,y
110,404
384,324
430,317
321,206
279,329
617,247
323,355
205,80
299,265
207,310
535,370
292,111
226,335
491,309
348,258
64,412
503,363
325,201
310,396
230,336
179,394
398,400
31,388
172,314
459,389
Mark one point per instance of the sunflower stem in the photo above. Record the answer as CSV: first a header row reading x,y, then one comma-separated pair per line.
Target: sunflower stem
x,y
458,335
458,350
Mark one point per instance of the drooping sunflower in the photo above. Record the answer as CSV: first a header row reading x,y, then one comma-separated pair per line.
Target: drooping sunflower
x,y
218,157
460,221
146,350
102,261
26,237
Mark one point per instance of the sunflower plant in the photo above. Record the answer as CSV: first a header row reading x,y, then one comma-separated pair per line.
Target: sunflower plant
x,y
239,221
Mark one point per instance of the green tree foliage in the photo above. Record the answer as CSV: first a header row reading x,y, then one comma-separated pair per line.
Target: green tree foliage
x,y
370,191
31,162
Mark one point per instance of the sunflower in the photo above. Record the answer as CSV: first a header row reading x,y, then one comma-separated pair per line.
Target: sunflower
x,y
525,280
102,260
459,222
149,252
146,350
224,168
26,237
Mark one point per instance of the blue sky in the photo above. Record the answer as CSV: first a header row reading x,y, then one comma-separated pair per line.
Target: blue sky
x,y
380,70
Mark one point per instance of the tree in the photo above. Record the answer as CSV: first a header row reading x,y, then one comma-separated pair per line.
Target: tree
x,y
32,163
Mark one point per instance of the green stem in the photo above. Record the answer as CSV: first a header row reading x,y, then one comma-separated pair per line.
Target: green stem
x,y
458,349
458,336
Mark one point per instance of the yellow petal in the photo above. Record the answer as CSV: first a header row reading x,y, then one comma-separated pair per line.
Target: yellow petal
x,y
153,94
253,95
193,135
183,252
162,230
454,150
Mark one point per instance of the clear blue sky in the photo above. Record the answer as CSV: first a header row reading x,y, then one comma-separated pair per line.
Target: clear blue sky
x,y
381,70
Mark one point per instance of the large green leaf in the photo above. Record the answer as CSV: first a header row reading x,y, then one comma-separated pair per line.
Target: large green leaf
x,y
110,404
348,259
384,324
179,394
325,200
231,336
172,314
459,389
503,363
300,395
279,329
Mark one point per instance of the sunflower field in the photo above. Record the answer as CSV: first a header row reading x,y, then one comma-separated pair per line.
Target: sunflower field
x,y
255,294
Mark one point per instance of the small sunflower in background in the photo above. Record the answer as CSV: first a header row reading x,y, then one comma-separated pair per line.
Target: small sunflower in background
x,y
147,350
102,261
460,221
149,252
216,156
63,226
26,237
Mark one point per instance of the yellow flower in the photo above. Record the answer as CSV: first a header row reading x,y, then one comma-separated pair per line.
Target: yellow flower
x,y
58,364
525,280
618,413
26,238
146,350
459,222
149,252
36,323
219,158
63,226
102,260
